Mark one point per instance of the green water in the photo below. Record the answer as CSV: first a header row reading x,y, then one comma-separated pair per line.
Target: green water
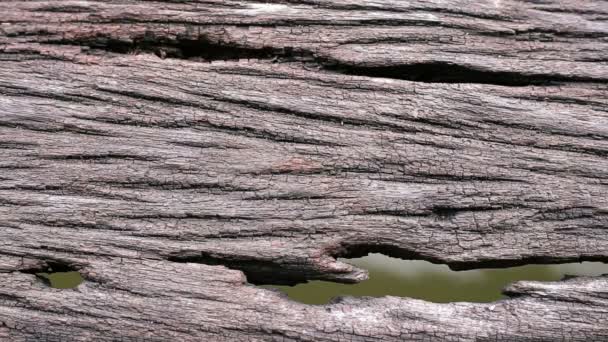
x,y
407,278
435,283
62,280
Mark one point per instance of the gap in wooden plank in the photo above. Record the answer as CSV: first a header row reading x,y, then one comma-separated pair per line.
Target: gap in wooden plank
x,y
57,274
432,282
205,49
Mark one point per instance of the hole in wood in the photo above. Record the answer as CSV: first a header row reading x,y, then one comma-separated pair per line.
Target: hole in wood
x,y
441,72
199,48
432,282
61,280
57,275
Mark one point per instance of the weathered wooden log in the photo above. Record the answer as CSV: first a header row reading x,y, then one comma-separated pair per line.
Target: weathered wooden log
x,y
175,153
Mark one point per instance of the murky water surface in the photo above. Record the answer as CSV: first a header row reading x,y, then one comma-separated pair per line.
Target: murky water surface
x,y
436,283
62,280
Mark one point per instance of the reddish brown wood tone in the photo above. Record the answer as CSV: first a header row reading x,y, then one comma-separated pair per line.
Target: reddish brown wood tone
x,y
176,151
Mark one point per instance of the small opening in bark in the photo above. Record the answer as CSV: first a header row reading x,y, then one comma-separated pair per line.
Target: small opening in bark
x,y
433,282
57,275
199,48
206,50
440,72
445,213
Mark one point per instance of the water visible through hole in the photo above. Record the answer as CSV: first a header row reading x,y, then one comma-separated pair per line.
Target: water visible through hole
x,y
62,280
431,282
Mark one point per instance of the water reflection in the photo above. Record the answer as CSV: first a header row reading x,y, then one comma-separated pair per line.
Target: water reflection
x,y
62,280
436,283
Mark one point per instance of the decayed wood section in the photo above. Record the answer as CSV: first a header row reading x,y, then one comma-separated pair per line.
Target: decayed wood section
x,y
174,152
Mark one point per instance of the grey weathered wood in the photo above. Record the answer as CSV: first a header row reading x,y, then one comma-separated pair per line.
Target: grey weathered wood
x,y
150,145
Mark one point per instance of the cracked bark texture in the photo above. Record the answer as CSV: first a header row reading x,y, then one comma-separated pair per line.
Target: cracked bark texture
x,y
176,151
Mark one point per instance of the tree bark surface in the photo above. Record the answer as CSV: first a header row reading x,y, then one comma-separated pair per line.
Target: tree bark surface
x,y
177,152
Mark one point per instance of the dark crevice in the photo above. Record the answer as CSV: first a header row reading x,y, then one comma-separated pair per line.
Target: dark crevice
x,y
572,213
580,11
164,100
466,178
100,156
294,196
203,48
207,145
63,9
445,213
66,190
199,48
168,216
553,146
258,272
251,131
562,99
276,22
17,167
448,213
442,72
51,266
552,131
18,91
176,185
532,260
99,225
547,35
437,212
64,128
321,117
18,145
